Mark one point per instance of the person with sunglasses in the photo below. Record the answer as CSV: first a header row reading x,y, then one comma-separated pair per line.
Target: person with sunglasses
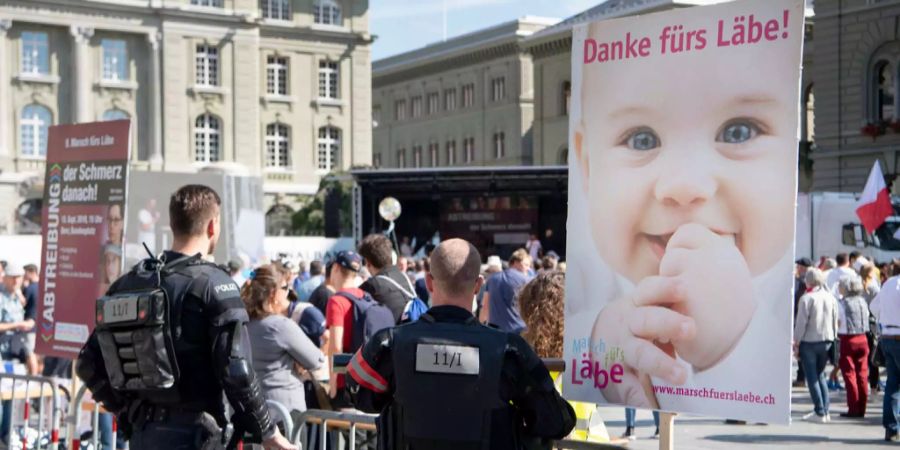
x,y
279,347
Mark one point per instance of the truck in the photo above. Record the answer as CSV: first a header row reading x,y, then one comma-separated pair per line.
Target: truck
x,y
827,224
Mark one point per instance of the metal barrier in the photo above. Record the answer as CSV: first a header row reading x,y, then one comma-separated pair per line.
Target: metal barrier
x,y
24,389
280,413
351,422
76,406
329,421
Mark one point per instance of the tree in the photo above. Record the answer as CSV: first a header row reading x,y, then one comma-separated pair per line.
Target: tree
x,y
310,219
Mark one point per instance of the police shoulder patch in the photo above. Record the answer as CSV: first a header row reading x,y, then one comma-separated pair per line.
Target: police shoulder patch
x,y
221,286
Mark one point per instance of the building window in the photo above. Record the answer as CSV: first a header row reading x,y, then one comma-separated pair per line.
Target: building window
x,y
328,149
564,156
115,59
276,9
416,106
499,145
328,79
808,116
449,99
469,150
468,93
278,145
276,75
451,153
434,103
376,160
210,3
401,158
400,109
434,153
566,97
33,130
35,53
498,89
207,131
114,114
417,156
885,84
207,65
327,12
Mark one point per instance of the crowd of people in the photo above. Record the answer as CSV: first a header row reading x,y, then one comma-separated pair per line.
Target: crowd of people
x,y
847,314
302,315
845,320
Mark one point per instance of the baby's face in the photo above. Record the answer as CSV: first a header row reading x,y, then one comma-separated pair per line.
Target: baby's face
x,y
707,137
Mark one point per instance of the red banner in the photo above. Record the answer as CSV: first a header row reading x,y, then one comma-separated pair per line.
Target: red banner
x,y
82,228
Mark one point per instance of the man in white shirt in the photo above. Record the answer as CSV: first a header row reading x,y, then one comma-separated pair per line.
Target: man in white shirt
x,y
842,270
857,261
886,308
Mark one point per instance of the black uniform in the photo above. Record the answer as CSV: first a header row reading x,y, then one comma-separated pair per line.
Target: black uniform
x,y
447,382
207,334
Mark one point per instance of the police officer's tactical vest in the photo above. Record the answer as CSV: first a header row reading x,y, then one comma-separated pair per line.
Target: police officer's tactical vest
x,y
447,384
135,337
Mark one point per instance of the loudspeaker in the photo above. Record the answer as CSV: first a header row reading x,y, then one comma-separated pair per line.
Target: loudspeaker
x,y
333,213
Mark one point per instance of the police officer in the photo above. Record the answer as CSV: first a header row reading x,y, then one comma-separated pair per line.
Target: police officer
x,y
171,337
448,382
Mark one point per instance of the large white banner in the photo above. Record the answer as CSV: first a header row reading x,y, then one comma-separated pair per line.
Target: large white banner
x,y
681,209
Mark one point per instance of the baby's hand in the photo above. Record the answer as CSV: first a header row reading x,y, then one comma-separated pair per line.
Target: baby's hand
x,y
718,291
631,324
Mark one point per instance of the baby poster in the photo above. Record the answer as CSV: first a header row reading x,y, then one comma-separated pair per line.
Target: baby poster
x,y
681,210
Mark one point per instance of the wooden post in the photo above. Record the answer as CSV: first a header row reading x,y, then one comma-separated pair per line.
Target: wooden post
x,y
666,431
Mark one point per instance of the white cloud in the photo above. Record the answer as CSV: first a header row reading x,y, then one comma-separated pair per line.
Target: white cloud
x,y
404,8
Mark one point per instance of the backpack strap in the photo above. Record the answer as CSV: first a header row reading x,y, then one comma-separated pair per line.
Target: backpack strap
x,y
349,296
178,263
409,294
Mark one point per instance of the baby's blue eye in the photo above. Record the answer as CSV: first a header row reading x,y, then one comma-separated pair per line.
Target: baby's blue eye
x,y
642,140
738,132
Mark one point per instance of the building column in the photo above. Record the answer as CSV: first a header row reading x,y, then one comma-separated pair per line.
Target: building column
x,y
5,101
155,93
81,88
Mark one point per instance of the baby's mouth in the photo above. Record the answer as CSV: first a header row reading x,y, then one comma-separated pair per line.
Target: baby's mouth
x,y
659,242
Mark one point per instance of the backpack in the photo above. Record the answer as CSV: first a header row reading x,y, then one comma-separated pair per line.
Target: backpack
x,y
414,308
369,317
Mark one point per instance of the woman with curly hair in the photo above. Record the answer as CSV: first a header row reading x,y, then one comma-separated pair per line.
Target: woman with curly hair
x,y
541,305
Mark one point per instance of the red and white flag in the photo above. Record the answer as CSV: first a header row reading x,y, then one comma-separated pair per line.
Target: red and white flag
x,y
874,206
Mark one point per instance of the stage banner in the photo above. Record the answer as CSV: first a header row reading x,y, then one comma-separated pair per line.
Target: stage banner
x,y
681,210
83,226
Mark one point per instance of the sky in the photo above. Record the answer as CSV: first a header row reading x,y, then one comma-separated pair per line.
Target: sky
x,y
403,25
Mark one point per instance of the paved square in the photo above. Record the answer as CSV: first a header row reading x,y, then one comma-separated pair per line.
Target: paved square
x,y
703,433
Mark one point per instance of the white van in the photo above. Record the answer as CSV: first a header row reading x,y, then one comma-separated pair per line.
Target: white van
x,y
827,224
